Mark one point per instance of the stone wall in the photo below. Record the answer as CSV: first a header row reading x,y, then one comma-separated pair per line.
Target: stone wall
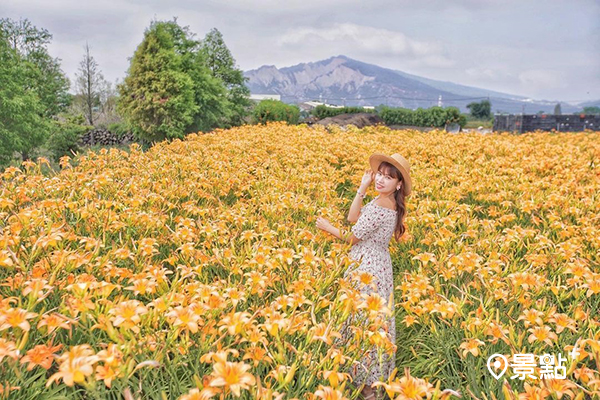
x,y
544,122
104,137
360,120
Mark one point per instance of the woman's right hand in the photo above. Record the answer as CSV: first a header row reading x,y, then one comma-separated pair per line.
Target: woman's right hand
x,y
367,179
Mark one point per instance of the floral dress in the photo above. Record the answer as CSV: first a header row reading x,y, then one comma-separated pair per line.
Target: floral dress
x,y
375,227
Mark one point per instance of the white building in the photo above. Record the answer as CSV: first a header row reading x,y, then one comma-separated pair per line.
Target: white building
x,y
309,105
259,97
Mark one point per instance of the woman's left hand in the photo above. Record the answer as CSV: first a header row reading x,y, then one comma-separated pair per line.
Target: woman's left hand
x,y
324,224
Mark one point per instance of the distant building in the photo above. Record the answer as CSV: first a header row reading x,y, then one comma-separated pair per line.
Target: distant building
x,y
259,97
309,105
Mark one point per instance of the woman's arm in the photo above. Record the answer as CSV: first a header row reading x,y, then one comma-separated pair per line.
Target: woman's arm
x,y
325,225
356,205
358,198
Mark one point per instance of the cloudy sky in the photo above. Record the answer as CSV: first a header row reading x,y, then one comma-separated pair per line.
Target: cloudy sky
x,y
543,49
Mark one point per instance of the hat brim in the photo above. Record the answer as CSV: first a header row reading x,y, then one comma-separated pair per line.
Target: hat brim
x,y
377,158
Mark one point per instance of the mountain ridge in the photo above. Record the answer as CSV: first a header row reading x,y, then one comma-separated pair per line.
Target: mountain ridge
x,y
345,81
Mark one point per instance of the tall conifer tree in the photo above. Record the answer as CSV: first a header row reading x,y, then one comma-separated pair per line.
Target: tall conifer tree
x,y
157,96
222,65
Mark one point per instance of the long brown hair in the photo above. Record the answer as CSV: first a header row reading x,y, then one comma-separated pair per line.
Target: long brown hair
x,y
399,197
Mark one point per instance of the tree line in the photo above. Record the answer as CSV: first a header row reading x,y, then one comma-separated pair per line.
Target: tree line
x,y
175,84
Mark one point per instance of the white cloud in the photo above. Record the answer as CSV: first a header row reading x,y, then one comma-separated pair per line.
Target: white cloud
x,y
536,79
366,40
489,74
546,49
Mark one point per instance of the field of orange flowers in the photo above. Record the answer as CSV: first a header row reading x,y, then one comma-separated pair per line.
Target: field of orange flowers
x,y
194,270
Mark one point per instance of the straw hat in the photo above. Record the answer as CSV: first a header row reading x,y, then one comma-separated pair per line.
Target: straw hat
x,y
397,161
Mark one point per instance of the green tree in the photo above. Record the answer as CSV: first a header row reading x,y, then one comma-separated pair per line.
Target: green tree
x,y
23,126
210,93
481,110
209,107
274,110
591,110
157,96
210,96
221,64
65,136
44,75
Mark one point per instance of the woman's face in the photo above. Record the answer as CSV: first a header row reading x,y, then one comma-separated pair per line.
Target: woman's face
x,y
384,182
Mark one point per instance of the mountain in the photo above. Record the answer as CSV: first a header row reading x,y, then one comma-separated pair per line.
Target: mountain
x,y
592,103
342,80
461,90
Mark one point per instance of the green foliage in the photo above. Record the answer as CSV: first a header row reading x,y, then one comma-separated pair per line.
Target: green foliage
x,y
476,123
221,64
482,109
157,96
43,73
211,98
178,85
453,115
397,116
119,129
64,139
33,88
22,125
433,117
210,94
274,110
322,111
591,110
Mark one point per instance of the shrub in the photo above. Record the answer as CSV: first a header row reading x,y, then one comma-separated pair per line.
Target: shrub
x,y
482,109
274,110
322,111
453,115
119,129
65,135
435,116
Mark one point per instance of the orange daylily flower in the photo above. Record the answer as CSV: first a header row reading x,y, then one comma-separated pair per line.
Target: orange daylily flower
x,y
184,318
197,394
542,334
75,365
127,314
8,349
232,376
54,321
533,393
375,304
16,318
407,387
329,393
41,355
471,346
324,333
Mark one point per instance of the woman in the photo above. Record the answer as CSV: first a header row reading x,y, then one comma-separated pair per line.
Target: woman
x,y
376,223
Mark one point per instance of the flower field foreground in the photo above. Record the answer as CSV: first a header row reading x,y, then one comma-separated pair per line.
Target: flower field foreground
x,y
194,270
